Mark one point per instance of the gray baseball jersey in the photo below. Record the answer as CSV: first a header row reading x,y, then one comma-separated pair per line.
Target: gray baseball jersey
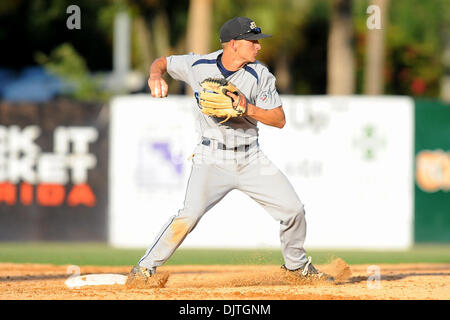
x,y
254,81
220,164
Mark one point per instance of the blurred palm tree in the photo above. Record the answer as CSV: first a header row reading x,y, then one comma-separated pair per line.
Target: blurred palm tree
x,y
198,35
341,60
375,52
199,26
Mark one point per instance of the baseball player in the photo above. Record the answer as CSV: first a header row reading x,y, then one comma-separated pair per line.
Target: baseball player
x,y
228,155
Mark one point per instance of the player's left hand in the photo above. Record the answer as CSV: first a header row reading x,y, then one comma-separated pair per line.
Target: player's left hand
x,y
238,100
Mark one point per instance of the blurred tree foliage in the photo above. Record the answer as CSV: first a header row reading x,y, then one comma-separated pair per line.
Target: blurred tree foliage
x,y
296,54
414,45
29,26
66,63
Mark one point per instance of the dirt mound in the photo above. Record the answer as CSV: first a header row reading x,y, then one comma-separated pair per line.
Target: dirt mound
x,y
340,270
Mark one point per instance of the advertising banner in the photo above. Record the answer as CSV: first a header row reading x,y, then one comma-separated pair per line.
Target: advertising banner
x,y
348,158
53,171
432,172
151,140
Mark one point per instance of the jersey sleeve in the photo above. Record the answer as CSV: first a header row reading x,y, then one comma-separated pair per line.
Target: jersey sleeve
x,y
267,97
179,66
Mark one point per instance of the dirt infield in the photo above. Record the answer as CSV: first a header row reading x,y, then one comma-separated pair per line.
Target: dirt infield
x,y
406,281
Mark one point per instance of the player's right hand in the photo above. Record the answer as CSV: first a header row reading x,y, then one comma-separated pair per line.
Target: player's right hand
x,y
158,86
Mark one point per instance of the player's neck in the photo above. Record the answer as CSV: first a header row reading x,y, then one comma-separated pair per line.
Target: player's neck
x,y
231,62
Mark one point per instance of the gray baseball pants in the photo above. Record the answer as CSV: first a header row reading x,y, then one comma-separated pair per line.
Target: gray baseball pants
x,y
214,174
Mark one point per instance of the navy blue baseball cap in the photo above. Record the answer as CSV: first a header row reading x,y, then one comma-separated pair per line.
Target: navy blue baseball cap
x,y
241,28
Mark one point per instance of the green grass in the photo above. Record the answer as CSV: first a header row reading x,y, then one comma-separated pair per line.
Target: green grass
x,y
102,254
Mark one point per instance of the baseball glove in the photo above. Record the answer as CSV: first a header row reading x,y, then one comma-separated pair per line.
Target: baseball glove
x,y
214,101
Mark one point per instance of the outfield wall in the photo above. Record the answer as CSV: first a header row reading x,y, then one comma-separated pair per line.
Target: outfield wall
x,y
372,172
350,159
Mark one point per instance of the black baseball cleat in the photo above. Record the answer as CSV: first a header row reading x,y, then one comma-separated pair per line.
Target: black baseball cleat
x,y
309,272
138,275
